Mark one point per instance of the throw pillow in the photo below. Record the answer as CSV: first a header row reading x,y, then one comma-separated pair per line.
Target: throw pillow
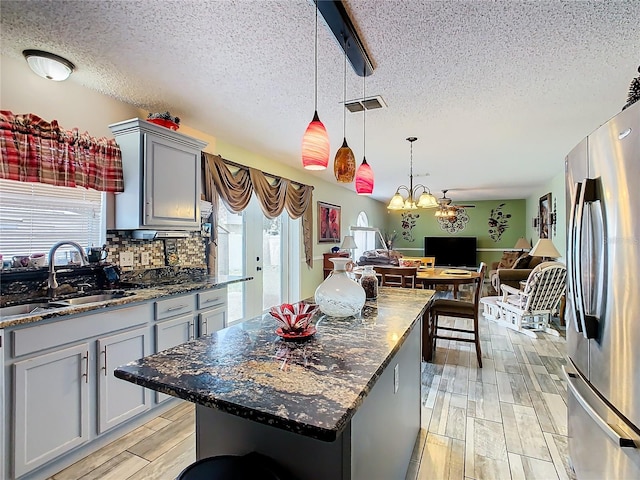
x,y
508,259
522,262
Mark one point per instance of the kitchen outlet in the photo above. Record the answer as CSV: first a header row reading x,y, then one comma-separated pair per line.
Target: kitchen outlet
x,y
396,378
144,258
126,259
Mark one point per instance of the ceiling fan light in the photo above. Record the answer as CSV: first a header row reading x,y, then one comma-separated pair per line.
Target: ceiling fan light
x,y
427,200
344,166
364,179
396,203
315,145
48,65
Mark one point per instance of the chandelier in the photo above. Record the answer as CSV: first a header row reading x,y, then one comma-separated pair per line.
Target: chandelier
x,y
426,199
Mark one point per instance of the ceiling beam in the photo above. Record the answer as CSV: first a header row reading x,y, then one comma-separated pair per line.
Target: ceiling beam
x,y
336,17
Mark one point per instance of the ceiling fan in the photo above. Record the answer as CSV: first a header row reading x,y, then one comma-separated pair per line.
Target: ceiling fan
x,y
447,208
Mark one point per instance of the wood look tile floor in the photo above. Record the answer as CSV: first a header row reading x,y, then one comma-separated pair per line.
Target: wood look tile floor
x,y
507,420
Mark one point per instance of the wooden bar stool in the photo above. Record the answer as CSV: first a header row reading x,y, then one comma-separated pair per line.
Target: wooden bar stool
x,y
458,309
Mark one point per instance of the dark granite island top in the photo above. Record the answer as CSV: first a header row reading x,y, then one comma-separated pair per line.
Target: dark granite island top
x,y
312,388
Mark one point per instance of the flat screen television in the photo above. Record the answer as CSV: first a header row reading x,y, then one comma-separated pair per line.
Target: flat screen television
x,y
451,251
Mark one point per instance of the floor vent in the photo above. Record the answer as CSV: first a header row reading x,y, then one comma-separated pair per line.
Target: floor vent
x,y
370,103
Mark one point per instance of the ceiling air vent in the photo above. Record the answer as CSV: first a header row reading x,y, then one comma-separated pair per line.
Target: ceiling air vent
x,y
370,103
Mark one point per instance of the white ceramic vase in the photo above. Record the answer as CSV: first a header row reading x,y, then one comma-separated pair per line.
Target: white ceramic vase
x,y
339,295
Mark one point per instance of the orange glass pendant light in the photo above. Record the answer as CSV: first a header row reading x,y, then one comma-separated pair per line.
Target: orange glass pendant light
x,y
315,142
344,165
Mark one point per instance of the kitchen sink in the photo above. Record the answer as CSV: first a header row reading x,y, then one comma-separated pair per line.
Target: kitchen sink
x,y
93,298
24,309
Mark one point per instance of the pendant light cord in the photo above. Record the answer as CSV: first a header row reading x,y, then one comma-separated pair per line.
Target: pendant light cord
x,y
316,56
364,117
344,93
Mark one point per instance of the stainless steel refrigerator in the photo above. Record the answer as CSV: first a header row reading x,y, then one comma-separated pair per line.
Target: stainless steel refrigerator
x,y
603,300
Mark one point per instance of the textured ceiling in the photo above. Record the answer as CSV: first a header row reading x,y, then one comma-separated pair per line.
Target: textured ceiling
x,y
497,92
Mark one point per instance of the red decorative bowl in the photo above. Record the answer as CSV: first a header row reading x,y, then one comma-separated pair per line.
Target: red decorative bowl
x,y
294,318
164,123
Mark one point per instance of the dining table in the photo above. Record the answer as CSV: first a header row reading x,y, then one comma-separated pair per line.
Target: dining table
x,y
430,277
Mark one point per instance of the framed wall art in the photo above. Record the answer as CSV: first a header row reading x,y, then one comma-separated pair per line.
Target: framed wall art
x,y
328,223
545,215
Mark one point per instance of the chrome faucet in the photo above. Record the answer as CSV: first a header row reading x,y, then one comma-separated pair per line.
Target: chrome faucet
x,y
52,283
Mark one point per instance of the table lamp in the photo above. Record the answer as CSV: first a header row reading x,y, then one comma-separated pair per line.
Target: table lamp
x,y
349,244
546,249
522,244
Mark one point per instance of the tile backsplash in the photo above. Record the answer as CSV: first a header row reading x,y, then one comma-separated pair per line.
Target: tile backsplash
x,y
190,250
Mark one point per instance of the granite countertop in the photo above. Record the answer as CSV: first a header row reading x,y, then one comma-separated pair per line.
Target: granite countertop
x,y
312,387
135,292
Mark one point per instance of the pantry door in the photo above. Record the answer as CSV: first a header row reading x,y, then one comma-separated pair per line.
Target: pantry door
x,y
251,244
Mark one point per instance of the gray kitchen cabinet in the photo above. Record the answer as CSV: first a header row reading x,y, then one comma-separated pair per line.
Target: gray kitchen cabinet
x,y
51,406
212,320
212,311
170,333
161,171
119,401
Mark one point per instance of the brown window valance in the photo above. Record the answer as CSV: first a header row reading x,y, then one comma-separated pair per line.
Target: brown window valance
x,y
34,150
274,194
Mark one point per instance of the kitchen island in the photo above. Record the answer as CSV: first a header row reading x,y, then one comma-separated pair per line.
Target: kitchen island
x,y
344,404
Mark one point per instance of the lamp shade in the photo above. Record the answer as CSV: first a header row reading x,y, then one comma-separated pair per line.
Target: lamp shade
x,y
315,145
427,200
396,203
545,248
344,166
522,244
348,243
364,179
48,65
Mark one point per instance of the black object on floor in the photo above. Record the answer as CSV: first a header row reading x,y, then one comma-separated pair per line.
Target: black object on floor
x,y
252,466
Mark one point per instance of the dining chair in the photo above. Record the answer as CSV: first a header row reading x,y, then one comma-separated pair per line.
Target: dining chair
x,y
458,309
404,277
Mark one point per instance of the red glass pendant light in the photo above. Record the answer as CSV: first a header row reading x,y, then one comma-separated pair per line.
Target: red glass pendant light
x,y
364,179
344,165
315,145
315,142
364,175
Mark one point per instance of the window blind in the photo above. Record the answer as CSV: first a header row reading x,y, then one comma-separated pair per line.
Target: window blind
x,y
34,216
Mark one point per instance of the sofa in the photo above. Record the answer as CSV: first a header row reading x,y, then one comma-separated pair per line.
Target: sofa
x,y
513,275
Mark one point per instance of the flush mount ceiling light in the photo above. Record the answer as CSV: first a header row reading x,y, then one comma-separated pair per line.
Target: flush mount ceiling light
x,y
426,200
315,142
49,65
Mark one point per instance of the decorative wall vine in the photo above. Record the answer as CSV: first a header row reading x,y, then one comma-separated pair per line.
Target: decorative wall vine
x,y
454,224
408,222
498,222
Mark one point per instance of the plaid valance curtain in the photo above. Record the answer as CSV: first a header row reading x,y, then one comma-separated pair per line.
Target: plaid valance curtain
x,y
33,150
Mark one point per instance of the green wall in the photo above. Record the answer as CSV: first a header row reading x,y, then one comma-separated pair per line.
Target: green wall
x,y
489,250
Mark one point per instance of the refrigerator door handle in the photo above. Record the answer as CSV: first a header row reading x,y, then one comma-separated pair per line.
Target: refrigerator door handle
x,y
589,322
606,428
574,261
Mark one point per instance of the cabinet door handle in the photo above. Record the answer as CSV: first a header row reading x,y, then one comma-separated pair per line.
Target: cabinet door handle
x,y
86,367
105,360
191,331
177,307
211,300
206,327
